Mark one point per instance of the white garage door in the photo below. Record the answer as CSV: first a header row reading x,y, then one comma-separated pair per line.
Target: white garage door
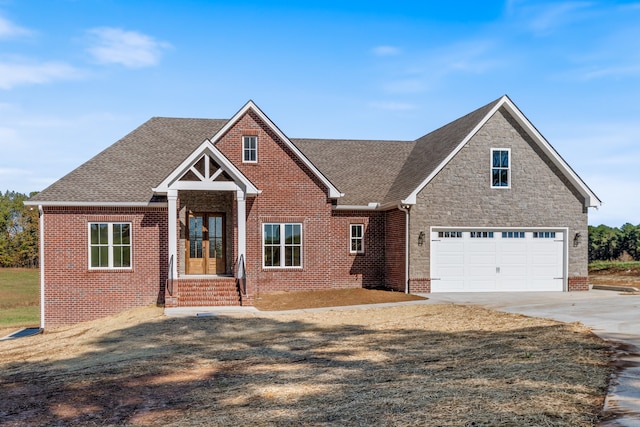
x,y
496,260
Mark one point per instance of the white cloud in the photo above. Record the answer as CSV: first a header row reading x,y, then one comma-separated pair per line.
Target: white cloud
x,y
8,29
544,18
385,50
128,48
432,68
14,74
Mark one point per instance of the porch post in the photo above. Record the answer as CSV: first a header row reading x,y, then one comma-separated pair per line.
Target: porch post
x,y
172,241
242,224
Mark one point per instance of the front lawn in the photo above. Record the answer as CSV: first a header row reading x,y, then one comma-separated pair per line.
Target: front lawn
x,y
436,365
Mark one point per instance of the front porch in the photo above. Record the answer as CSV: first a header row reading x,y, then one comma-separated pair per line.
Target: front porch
x,y
206,198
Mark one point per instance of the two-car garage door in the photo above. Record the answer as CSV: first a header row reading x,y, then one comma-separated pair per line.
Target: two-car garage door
x,y
497,260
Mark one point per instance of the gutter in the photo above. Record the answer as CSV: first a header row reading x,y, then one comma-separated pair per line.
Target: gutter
x,y
41,224
405,209
100,204
370,207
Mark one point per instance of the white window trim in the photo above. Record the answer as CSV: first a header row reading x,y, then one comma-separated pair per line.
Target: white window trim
x,y
244,149
508,150
352,238
283,246
110,245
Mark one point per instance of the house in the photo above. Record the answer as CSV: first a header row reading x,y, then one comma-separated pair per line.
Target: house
x,y
203,212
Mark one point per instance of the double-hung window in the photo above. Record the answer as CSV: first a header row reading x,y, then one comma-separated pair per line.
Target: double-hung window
x,y
282,245
250,149
500,168
109,245
357,238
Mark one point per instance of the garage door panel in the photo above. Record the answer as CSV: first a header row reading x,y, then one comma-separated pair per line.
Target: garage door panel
x,y
477,285
505,262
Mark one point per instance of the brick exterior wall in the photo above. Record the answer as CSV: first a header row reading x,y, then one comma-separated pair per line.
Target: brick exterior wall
x,y
349,270
578,283
73,292
395,248
461,195
419,286
292,193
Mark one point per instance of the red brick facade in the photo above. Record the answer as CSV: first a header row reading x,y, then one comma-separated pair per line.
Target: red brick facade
x,y
75,293
395,249
578,284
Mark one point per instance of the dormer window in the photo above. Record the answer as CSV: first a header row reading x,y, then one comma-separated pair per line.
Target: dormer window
x,y
250,149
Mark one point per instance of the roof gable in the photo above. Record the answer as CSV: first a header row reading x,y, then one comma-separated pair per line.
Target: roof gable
x,y
333,192
434,151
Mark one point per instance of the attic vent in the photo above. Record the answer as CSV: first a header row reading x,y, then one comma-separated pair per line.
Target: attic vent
x,y
205,169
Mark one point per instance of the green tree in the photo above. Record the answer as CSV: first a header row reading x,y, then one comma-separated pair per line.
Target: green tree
x,y
18,231
605,243
631,240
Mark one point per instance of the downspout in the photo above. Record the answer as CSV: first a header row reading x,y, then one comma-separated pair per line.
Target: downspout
x,y
405,209
41,224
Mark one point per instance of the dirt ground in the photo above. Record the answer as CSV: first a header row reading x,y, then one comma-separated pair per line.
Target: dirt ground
x,y
440,365
334,298
630,279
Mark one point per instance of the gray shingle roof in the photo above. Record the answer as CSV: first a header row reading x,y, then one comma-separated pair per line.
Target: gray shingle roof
x,y
362,170
431,150
127,170
365,171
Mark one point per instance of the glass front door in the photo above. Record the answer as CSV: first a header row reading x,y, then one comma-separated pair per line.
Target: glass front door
x,y
206,244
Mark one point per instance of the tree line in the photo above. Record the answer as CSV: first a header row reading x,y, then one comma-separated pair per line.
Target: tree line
x,y
18,231
19,235
611,243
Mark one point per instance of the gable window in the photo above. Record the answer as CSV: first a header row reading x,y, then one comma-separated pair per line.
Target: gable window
x,y
250,149
282,245
500,168
109,245
356,238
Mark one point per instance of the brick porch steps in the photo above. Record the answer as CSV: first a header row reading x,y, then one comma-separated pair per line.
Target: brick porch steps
x,y
199,292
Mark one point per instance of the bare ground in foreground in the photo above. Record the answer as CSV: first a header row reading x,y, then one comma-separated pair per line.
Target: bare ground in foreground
x,y
333,298
414,365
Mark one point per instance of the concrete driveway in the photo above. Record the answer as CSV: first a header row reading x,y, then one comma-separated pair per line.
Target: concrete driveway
x,y
611,315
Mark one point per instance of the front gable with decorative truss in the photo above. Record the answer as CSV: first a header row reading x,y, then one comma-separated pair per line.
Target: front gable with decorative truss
x,y
207,169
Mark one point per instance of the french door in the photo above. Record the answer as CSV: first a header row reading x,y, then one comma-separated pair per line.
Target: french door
x,y
205,251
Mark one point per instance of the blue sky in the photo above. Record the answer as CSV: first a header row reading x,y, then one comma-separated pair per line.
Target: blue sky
x,y
77,75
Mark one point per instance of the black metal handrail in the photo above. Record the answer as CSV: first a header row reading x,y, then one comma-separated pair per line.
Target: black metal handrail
x,y
241,275
170,277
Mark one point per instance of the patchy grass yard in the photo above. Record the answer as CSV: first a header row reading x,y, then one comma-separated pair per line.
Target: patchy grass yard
x,y
19,298
616,273
429,364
